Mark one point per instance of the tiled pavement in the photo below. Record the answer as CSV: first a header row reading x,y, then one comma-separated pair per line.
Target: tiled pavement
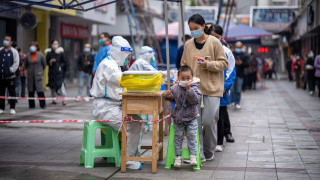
x,y
277,135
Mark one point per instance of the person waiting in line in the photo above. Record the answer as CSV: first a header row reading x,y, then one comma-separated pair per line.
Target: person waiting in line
x,y
57,68
253,65
241,64
298,70
288,68
187,96
105,42
35,64
317,73
23,73
85,64
224,127
206,57
8,67
17,81
180,51
310,72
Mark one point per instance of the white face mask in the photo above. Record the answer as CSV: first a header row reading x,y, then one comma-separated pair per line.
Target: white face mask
x,y
55,46
183,83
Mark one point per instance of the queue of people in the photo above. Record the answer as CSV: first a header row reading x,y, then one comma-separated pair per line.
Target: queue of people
x,y
21,71
304,71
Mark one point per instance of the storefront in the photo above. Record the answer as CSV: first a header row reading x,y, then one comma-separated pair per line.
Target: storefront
x,y
73,37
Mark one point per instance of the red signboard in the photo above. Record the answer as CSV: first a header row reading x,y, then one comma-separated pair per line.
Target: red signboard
x,y
72,31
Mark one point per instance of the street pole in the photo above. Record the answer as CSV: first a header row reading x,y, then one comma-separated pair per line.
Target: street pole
x,y
130,27
167,42
226,35
226,14
182,20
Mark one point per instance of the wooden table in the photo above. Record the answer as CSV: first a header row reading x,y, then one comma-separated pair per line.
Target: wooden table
x,y
143,103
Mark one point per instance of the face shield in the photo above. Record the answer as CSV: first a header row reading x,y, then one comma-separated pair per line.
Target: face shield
x,y
146,53
120,50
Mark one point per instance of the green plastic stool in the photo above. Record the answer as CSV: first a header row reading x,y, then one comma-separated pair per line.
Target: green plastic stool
x,y
171,153
109,148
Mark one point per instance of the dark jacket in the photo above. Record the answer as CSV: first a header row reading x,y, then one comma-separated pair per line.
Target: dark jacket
x,y
56,70
82,66
179,56
240,69
35,72
9,63
186,102
310,71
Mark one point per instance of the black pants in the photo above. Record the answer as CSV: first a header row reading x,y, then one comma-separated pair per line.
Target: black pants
x,y
41,102
252,80
289,74
4,84
23,86
223,124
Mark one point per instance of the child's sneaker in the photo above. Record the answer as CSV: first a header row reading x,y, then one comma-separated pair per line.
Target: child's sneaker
x,y
193,160
177,162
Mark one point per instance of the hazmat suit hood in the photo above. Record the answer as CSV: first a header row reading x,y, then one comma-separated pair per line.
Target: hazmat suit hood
x,y
120,50
146,53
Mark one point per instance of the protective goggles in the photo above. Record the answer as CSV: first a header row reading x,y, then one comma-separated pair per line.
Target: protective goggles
x,y
126,49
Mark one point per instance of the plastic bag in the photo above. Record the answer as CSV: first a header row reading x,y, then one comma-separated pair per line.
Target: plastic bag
x,y
143,83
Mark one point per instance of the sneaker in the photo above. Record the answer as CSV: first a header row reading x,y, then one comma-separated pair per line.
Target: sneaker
x,y
311,93
77,100
219,148
1,111
232,104
177,162
12,111
87,99
193,160
238,106
209,156
54,102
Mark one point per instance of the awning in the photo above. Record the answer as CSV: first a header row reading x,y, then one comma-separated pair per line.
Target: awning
x,y
244,32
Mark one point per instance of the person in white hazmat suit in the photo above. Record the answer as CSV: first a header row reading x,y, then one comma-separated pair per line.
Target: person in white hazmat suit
x,y
106,104
143,62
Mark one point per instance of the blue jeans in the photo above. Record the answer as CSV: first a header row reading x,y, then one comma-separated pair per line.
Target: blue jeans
x,y
17,83
236,90
84,77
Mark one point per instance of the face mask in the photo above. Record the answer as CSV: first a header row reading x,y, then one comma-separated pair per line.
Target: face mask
x,y
310,55
101,41
55,46
196,33
126,62
183,83
298,57
6,43
86,50
93,53
32,49
238,50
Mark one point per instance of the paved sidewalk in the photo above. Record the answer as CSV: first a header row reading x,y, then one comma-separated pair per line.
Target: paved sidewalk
x,y
277,136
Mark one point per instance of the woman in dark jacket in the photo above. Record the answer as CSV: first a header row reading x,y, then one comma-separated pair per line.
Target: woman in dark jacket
x,y
310,71
57,68
35,64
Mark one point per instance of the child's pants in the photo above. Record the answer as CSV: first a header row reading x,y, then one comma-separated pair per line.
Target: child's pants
x,y
191,128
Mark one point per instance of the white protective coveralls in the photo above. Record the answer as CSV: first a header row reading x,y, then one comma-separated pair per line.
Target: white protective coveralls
x,y
143,62
106,104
